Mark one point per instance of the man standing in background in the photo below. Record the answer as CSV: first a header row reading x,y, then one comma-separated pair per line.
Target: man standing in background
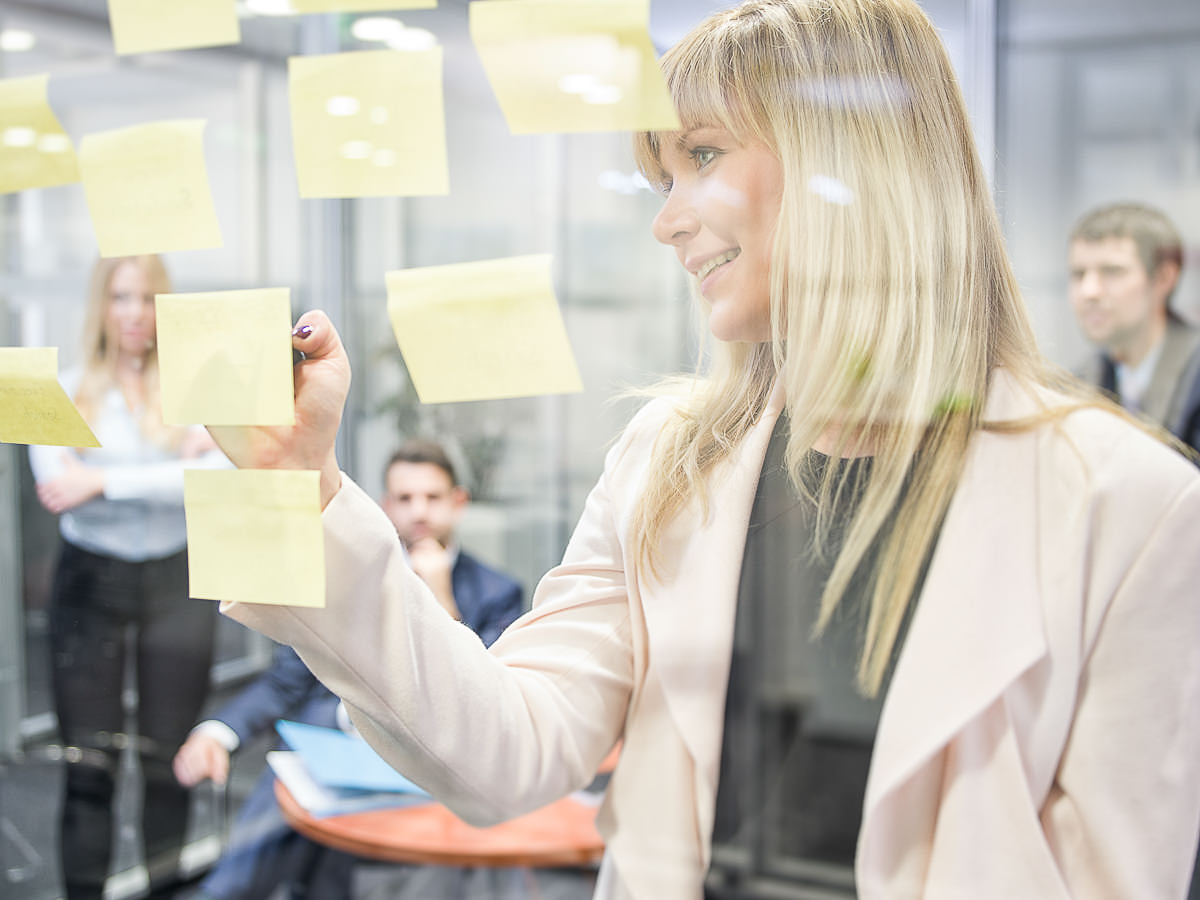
x,y
1125,261
1125,264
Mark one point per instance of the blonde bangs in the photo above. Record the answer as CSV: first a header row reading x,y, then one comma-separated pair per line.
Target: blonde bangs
x,y
704,72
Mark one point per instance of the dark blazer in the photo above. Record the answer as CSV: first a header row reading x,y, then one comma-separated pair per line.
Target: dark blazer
x,y
1173,397
488,600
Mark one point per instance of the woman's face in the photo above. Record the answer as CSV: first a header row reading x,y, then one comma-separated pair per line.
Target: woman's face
x,y
722,204
130,320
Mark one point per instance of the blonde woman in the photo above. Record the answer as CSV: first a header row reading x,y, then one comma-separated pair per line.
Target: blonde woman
x,y
123,564
878,516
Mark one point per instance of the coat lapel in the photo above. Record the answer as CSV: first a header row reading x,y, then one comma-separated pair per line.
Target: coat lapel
x,y
976,629
978,623
1178,345
690,611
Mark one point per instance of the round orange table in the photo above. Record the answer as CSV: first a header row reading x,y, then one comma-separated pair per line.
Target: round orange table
x,y
561,834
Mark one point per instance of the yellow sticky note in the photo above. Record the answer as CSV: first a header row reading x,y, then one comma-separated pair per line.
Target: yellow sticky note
x,y
482,330
34,409
580,65
225,358
147,188
316,6
142,26
254,536
369,123
34,150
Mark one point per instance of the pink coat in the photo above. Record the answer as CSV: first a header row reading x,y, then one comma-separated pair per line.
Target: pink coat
x,y
1041,737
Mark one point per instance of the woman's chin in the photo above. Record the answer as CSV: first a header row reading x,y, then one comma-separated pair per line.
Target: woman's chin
x,y
740,331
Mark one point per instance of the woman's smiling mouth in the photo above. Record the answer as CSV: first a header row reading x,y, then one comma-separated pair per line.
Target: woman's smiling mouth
x,y
709,267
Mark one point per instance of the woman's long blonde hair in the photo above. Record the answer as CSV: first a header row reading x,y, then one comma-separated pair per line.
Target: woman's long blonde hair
x,y
892,298
100,356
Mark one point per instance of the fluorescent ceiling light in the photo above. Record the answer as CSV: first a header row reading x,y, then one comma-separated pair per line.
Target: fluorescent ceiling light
x,y
413,39
15,40
376,28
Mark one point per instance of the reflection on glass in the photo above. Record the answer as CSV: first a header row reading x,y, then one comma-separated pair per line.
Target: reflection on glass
x,y
34,149
15,40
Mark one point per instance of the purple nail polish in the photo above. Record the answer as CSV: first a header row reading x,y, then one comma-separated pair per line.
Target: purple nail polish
x,y
302,331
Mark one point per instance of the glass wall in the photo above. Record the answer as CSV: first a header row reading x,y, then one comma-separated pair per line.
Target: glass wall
x,y
1074,103
529,462
48,249
49,246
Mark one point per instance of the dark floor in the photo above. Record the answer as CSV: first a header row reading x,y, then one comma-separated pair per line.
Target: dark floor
x,y
29,795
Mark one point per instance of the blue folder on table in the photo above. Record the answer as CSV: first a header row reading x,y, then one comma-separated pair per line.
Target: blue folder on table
x,y
342,761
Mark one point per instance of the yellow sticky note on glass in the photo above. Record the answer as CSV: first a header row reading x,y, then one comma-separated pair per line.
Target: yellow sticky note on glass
x,y
34,150
34,409
147,189
579,65
254,536
369,123
316,6
482,330
143,26
225,358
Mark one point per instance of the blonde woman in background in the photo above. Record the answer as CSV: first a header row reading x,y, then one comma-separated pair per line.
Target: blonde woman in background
x,y
123,564
949,592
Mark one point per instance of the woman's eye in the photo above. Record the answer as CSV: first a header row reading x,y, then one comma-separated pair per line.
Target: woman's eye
x,y
703,156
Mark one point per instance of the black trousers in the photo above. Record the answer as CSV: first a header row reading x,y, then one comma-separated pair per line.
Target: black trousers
x,y
96,601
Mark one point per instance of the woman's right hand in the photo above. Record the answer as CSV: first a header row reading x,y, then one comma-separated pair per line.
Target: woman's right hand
x,y
322,381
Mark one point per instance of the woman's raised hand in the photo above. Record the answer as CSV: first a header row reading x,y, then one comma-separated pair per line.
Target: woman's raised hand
x,y
322,382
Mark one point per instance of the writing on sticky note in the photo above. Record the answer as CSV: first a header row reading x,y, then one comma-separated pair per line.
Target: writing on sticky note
x,y
369,123
34,150
225,358
254,536
482,330
584,65
34,409
147,189
142,26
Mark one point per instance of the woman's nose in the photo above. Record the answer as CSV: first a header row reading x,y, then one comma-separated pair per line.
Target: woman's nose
x,y
676,221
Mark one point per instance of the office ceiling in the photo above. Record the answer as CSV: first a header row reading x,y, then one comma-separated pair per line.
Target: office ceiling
x,y
280,36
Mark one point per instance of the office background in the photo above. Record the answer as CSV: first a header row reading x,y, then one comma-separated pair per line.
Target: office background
x,y
1075,102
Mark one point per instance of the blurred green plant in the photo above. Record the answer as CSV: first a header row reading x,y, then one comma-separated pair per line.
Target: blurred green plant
x,y
470,432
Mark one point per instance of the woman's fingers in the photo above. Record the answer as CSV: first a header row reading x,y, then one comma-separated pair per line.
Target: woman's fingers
x,y
315,336
323,376
322,381
48,497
